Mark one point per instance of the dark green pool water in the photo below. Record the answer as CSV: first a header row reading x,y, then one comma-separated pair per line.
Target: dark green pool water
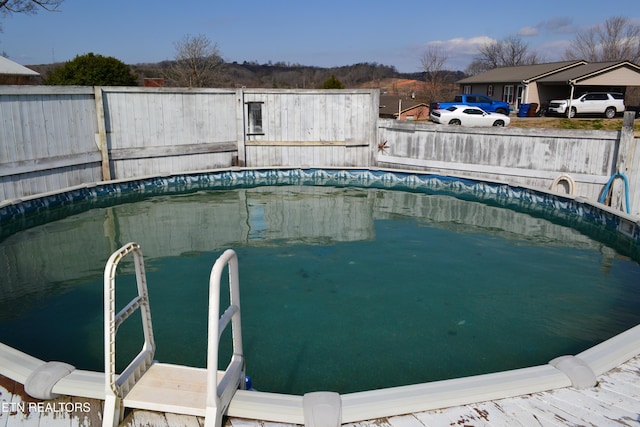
x,y
342,289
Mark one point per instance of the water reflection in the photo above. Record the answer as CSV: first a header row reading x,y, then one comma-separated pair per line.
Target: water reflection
x,y
56,255
329,275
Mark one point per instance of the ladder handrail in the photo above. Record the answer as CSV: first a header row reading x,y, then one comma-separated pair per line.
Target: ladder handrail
x,y
119,385
219,394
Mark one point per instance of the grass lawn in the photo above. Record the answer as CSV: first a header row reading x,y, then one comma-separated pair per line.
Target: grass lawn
x,y
575,123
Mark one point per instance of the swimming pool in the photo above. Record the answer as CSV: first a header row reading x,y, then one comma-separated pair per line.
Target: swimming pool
x,y
400,225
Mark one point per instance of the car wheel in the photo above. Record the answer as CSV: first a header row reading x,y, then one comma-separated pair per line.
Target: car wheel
x,y
610,113
455,122
498,123
572,114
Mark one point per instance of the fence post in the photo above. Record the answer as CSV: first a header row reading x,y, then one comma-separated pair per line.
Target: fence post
x,y
101,137
240,128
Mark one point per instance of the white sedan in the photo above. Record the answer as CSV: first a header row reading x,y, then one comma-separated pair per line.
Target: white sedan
x,y
467,115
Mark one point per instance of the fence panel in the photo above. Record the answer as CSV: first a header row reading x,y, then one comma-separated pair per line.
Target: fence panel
x,y
153,131
310,127
532,157
47,139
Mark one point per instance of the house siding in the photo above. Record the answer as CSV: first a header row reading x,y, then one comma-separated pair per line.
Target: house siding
x,y
618,77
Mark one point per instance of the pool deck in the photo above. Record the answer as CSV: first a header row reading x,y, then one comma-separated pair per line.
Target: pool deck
x,y
614,401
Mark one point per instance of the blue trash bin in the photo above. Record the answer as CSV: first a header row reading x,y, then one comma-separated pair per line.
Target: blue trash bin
x,y
523,111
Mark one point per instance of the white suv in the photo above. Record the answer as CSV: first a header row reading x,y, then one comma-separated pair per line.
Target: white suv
x,y
606,103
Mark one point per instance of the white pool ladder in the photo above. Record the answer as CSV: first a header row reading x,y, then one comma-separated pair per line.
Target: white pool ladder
x,y
148,384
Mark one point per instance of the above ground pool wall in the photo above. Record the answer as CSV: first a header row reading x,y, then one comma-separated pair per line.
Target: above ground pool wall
x,y
56,137
537,158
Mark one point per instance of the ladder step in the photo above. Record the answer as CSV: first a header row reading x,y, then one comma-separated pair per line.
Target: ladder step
x,y
170,388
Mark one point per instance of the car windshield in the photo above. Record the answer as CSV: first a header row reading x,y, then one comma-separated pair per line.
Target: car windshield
x,y
452,108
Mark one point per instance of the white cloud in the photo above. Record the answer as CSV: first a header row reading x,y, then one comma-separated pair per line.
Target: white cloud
x,y
462,45
528,31
460,50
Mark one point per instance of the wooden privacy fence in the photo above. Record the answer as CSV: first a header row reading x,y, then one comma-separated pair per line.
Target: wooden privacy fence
x,y
47,139
57,137
574,162
338,128
154,132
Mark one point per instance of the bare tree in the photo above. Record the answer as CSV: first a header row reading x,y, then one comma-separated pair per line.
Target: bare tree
x,y
29,6
197,62
617,39
433,62
9,7
509,52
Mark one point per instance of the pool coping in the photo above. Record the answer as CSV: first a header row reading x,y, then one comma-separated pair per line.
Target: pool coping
x,y
371,404
367,405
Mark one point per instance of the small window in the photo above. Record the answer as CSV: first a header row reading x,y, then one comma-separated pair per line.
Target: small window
x,y
466,89
254,110
490,90
508,94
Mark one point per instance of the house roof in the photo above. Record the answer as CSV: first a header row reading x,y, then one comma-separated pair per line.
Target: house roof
x,y
585,71
521,73
7,66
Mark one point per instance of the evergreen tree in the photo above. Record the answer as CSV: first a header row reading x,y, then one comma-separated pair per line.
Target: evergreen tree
x,y
332,83
92,70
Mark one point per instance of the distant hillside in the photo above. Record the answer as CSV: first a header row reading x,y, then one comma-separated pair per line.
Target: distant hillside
x,y
290,76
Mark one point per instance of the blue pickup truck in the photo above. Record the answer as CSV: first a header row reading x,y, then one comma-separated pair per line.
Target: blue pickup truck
x,y
482,101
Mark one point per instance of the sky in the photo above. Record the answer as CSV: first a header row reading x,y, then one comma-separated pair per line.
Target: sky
x,y
320,33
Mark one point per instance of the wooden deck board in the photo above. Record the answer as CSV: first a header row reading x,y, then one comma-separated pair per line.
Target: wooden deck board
x,y
597,409
184,420
459,415
575,407
145,419
404,421
498,416
240,422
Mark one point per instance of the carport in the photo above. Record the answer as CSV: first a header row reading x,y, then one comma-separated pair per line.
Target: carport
x,y
595,77
540,83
